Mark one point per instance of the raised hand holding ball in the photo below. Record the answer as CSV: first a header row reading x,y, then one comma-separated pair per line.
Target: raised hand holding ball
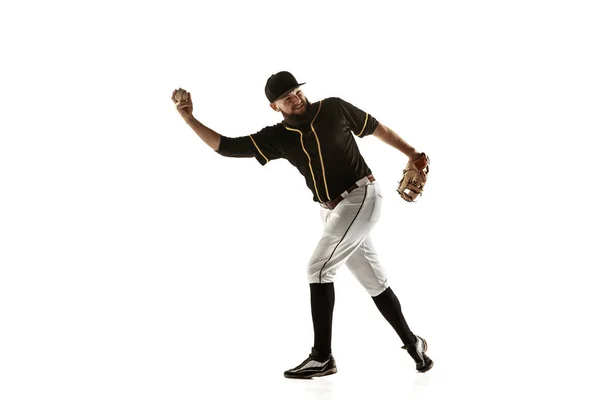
x,y
180,95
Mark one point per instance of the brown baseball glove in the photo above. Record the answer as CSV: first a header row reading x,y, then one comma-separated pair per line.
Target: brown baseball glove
x,y
414,178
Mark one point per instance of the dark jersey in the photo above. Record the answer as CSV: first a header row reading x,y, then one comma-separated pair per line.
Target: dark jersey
x,y
321,146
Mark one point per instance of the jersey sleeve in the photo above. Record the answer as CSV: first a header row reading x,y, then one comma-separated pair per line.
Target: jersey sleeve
x,y
361,123
261,145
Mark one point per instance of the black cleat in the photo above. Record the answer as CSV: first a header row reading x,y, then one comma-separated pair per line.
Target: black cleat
x,y
313,366
417,352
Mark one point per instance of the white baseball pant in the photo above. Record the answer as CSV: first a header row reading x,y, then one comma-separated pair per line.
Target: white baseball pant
x,y
346,240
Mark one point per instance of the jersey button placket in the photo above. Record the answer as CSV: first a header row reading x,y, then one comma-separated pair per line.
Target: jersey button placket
x,y
309,160
311,148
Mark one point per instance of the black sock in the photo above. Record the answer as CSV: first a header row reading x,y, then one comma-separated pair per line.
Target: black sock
x,y
322,299
389,306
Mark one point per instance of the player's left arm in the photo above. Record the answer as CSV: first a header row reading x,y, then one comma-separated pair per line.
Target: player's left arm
x,y
388,136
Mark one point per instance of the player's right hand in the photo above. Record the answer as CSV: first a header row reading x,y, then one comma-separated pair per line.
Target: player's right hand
x,y
185,107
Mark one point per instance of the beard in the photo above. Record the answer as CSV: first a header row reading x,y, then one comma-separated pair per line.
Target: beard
x,y
298,117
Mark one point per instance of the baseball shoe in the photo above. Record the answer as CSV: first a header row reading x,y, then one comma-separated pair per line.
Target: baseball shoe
x,y
314,365
417,352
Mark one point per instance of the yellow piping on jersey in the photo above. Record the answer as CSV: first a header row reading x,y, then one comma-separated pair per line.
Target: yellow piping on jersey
x,y
319,147
363,129
309,162
257,148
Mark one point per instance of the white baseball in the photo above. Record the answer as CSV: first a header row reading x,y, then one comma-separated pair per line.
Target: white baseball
x,y
181,95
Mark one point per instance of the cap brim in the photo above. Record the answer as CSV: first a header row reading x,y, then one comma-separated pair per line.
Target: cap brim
x,y
288,92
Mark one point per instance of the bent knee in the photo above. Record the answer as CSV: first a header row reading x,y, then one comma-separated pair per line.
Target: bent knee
x,y
316,273
375,289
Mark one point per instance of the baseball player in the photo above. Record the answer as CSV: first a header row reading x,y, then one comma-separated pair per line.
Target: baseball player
x,y
319,140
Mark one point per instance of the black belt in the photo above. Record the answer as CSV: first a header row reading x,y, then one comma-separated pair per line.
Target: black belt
x,y
331,204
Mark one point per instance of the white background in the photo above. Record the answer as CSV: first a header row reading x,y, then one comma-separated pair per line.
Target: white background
x,y
136,263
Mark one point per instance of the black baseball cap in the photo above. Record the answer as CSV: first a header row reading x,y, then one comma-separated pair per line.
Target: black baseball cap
x,y
280,84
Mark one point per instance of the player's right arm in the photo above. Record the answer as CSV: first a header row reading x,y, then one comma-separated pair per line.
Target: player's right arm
x,y
259,145
185,108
